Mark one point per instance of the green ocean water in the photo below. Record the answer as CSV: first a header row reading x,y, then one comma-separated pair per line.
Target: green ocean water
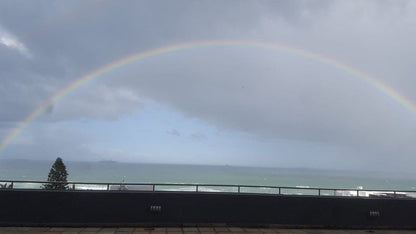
x,y
165,173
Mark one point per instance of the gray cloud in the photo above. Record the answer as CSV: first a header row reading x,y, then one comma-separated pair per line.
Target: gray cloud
x,y
198,136
265,93
250,94
107,103
50,142
173,132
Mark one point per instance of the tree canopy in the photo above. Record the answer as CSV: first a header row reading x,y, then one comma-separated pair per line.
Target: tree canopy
x,y
57,177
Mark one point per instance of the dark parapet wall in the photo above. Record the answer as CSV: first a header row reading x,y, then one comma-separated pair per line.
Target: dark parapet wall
x,y
114,208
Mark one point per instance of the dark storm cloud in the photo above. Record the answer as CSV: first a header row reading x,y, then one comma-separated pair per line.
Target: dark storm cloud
x,y
67,40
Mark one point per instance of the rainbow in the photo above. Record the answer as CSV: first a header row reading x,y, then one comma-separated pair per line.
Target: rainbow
x,y
197,44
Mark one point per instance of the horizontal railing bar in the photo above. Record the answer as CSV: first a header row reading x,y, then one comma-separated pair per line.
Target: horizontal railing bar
x,y
322,189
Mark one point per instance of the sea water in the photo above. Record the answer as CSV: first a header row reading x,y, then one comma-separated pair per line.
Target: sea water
x,y
118,172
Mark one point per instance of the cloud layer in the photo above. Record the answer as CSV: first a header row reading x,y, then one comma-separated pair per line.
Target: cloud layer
x,y
264,93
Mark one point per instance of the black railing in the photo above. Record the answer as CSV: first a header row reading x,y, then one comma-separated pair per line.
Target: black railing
x,y
196,187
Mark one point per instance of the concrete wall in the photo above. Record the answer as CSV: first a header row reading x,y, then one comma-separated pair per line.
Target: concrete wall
x,y
31,207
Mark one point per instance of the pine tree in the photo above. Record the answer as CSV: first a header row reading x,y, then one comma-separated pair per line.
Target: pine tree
x,y
57,176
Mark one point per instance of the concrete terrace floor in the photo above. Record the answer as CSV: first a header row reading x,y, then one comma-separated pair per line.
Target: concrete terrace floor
x,y
202,230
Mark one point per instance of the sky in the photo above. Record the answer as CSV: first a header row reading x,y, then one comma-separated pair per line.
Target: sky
x,y
222,104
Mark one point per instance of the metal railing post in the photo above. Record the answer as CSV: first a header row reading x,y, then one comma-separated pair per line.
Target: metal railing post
x,y
12,185
108,187
238,188
153,187
196,188
358,194
319,192
280,191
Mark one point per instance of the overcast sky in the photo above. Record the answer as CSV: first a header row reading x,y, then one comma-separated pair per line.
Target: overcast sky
x,y
236,105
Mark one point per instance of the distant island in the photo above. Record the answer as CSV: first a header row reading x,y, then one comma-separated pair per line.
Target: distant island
x,y
107,161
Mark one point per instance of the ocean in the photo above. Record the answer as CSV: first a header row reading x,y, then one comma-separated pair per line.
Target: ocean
x,y
108,171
